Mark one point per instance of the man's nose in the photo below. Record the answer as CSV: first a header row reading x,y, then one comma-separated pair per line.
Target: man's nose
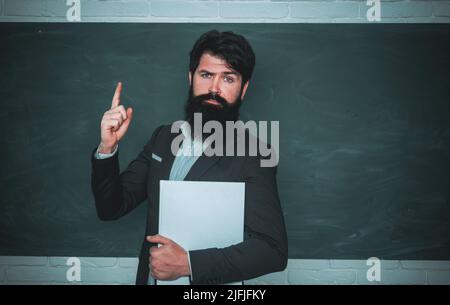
x,y
214,88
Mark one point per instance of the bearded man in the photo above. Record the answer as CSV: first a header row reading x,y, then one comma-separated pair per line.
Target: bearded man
x,y
221,65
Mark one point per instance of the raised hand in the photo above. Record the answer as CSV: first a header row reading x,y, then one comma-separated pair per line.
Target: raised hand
x,y
114,124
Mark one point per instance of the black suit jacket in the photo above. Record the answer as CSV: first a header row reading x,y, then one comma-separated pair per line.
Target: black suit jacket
x,y
264,248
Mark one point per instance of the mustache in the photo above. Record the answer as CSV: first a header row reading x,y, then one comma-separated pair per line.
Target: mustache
x,y
210,96
221,111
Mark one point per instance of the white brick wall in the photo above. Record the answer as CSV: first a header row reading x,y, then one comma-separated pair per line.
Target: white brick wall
x,y
441,8
326,10
191,9
52,270
111,270
254,11
275,11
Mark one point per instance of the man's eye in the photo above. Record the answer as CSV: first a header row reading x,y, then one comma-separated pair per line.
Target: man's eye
x,y
205,75
229,79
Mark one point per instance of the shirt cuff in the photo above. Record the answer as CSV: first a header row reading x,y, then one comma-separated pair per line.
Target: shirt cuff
x,y
190,269
99,155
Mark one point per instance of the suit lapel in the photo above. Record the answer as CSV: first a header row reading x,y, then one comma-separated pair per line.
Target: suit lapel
x,y
168,158
200,167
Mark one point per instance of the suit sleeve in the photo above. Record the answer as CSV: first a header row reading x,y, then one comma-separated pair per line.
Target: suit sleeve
x,y
117,194
264,249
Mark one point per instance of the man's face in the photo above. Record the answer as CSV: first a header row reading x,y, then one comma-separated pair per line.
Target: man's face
x,y
214,76
216,91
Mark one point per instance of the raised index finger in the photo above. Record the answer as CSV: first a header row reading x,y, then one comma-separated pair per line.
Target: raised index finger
x,y
116,97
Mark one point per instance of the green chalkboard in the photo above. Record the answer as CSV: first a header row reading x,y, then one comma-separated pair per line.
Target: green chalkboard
x,y
364,113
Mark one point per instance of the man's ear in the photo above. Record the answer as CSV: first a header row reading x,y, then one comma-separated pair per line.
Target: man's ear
x,y
190,78
244,90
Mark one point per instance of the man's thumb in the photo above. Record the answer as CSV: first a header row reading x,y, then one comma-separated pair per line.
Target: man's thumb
x,y
129,113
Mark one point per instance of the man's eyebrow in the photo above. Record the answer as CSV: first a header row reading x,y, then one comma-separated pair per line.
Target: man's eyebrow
x,y
226,72
231,72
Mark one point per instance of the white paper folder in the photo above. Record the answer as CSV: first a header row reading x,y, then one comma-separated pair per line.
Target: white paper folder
x,y
200,215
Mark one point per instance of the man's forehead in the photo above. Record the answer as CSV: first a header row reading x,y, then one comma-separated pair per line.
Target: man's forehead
x,y
214,64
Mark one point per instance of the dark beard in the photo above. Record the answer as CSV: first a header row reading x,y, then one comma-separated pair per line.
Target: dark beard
x,y
221,113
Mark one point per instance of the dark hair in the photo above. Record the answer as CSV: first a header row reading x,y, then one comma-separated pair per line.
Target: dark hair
x,y
231,47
